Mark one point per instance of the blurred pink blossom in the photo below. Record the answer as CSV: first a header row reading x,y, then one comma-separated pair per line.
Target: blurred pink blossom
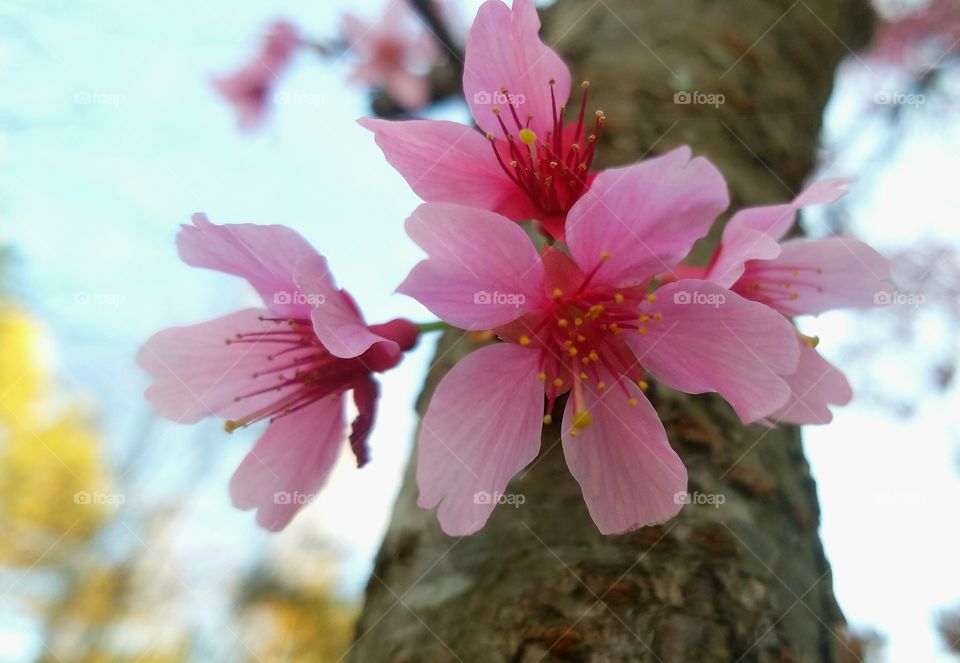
x,y
921,38
249,89
393,52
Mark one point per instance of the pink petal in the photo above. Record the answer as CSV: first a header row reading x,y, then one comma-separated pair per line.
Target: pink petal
x,y
629,475
504,51
646,217
336,319
197,374
445,162
482,427
776,220
814,386
711,339
289,463
814,275
482,271
738,245
264,255
365,395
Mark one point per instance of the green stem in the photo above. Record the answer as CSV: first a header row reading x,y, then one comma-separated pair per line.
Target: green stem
x,y
439,325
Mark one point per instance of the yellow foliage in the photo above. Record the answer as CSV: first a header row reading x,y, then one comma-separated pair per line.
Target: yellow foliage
x,y
21,374
53,485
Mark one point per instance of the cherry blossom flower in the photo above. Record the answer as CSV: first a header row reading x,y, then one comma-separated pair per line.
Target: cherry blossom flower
x,y
288,362
527,161
393,52
920,39
586,325
798,277
249,89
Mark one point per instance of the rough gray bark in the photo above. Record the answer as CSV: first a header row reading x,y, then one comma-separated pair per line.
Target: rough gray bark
x,y
745,581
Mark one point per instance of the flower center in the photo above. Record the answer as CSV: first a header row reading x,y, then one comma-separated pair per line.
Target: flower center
x,y
579,336
551,170
300,372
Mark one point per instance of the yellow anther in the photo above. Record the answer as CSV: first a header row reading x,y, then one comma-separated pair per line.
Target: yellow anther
x,y
597,308
633,402
542,377
594,356
582,419
584,376
584,85
644,318
557,382
574,352
230,425
658,316
581,338
643,384
547,419
618,298
557,293
490,136
812,341
528,137
605,256
651,298
563,322
573,432
524,340
601,386
642,330
496,110
568,343
578,321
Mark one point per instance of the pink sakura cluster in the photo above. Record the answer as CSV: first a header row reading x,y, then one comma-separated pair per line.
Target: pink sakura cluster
x,y
606,306
393,52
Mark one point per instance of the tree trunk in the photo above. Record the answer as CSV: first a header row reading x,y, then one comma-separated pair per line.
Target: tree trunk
x,y
744,580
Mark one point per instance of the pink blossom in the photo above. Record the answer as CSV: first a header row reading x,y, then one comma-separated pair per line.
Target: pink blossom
x,y
587,325
288,362
527,162
394,52
249,89
797,277
921,38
